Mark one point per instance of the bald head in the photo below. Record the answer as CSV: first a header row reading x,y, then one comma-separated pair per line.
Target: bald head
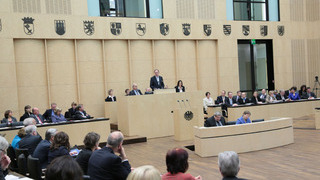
x,y
134,86
35,111
115,139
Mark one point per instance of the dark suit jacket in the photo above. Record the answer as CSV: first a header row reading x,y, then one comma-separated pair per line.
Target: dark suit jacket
x,y
232,178
254,100
40,116
78,115
3,174
83,159
262,97
62,151
5,121
47,115
220,99
177,89
228,103
105,165
279,97
133,94
234,99
211,122
29,142
25,116
70,113
41,152
154,83
306,96
108,99
241,101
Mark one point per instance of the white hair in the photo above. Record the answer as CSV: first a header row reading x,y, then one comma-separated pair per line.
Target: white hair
x,y
3,144
28,121
30,129
218,113
229,163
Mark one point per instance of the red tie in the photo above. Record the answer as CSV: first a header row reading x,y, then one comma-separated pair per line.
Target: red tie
x,y
39,119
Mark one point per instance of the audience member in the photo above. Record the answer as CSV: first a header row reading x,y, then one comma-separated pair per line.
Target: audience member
x,y
236,97
57,116
245,118
177,165
282,96
29,121
31,140
72,111
263,95
207,101
148,91
91,143
21,134
144,173
222,98
104,164
43,148
303,91
156,82
27,113
243,99
64,168
8,118
49,112
127,92
255,98
293,94
59,147
229,165
5,160
81,113
111,97
230,100
135,91
271,98
309,94
37,116
180,87
215,120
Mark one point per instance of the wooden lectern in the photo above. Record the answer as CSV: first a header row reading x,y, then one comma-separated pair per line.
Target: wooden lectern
x,y
164,91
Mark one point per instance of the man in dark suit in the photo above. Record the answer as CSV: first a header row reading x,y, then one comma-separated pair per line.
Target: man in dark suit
x,y
236,98
262,96
31,140
81,113
72,111
156,82
49,112
37,116
215,120
282,96
309,94
243,99
222,99
43,147
230,101
135,91
104,164
229,165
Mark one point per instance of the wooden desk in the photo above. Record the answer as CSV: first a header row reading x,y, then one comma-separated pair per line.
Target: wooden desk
x,y
294,109
212,109
317,118
243,138
110,110
164,91
75,129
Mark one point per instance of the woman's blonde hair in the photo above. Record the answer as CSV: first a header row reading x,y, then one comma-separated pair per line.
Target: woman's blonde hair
x,y
57,110
144,173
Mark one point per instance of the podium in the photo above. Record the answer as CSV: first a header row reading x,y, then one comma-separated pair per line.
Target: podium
x,y
110,111
164,91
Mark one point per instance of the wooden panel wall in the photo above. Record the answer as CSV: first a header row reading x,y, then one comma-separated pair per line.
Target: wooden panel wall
x,y
299,62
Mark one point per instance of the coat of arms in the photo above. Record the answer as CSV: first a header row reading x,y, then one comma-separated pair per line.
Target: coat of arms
x,y
28,26
88,27
164,29
281,30
141,29
115,28
246,30
227,29
207,29
186,29
60,27
264,30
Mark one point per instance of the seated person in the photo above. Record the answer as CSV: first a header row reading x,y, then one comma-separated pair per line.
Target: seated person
x,y
42,150
293,94
21,134
135,91
91,143
8,118
111,97
177,165
309,94
49,112
64,168
229,165
148,91
271,98
230,100
245,118
282,96
31,140
236,97
215,120
72,111
57,116
29,121
180,87
127,92
37,116
243,99
222,99
207,101
59,147
4,158
145,172
255,98
27,113
263,96
81,113
303,91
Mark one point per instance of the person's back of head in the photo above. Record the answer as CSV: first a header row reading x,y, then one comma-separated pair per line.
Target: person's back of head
x,y
31,129
50,133
115,139
64,168
91,140
177,161
29,121
22,132
60,139
229,163
144,173
3,144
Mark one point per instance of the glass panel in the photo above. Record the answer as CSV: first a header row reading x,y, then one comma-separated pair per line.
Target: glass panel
x,y
260,66
155,8
111,8
241,11
245,75
136,8
258,12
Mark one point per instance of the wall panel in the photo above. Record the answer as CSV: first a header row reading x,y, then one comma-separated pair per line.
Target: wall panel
x,y
313,47
298,62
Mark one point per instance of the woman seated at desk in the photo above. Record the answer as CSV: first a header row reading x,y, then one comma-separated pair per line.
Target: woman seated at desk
x,y
180,87
57,116
255,98
245,118
8,118
271,98
293,94
207,101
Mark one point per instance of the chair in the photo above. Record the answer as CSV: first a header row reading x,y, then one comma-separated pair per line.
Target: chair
x,y
22,165
19,151
12,155
34,168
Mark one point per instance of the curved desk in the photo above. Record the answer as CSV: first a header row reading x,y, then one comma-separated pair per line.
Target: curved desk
x,y
243,138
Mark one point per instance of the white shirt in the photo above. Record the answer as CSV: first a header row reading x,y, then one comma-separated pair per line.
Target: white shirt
x,y
207,102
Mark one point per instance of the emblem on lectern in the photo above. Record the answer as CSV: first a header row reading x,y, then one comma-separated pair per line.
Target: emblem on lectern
x,y
60,27
188,115
28,25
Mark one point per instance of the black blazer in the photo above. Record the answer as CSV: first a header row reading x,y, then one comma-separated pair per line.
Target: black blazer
x,y
108,99
133,94
29,142
154,83
262,97
241,101
83,159
278,96
5,120
78,115
228,103
220,99
70,113
40,116
306,96
211,122
177,89
234,99
47,115
25,116
54,153
105,165
41,152
254,100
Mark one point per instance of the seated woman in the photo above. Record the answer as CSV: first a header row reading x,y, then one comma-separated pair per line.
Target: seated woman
x,y
177,165
111,97
91,143
8,118
207,101
303,91
180,87
27,113
293,94
17,138
57,116
255,98
64,168
271,97
245,118
144,172
59,147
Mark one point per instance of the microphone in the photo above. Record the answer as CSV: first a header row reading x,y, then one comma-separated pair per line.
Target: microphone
x,y
179,104
188,103
184,103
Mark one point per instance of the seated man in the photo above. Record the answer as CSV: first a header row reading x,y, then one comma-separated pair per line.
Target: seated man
x,y
135,91
282,96
72,111
31,140
229,165
245,118
230,100
243,99
309,94
222,99
263,96
49,112
43,147
215,120
236,98
37,116
81,113
105,164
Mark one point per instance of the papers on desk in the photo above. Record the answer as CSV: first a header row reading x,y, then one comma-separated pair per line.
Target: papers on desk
x,y
13,177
